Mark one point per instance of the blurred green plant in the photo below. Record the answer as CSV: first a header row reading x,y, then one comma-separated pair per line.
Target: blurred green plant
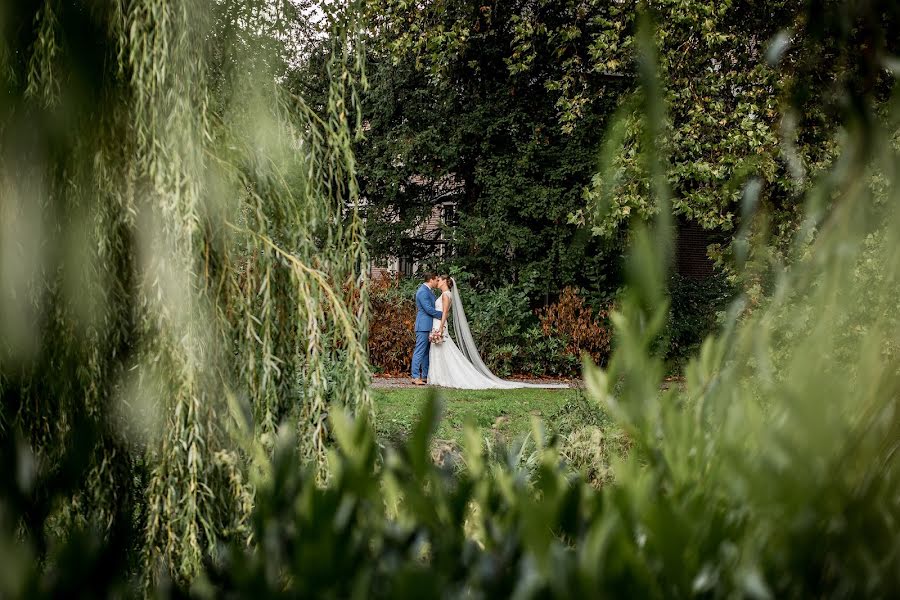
x,y
176,236
773,472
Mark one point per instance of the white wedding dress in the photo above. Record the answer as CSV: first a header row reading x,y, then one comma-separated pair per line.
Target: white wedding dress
x,y
451,367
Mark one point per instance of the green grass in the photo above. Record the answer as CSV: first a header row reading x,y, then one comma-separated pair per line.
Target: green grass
x,y
507,413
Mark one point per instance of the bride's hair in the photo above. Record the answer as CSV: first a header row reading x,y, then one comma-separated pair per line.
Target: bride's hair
x,y
449,281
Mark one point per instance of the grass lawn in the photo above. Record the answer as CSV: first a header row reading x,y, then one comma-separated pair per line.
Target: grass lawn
x,y
507,412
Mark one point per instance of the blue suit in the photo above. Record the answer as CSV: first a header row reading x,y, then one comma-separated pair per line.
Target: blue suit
x,y
425,313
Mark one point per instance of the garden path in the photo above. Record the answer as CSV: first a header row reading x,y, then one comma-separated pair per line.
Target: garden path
x,y
382,382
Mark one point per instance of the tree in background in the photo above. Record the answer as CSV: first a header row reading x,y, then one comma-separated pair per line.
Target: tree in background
x,y
732,117
447,100
512,97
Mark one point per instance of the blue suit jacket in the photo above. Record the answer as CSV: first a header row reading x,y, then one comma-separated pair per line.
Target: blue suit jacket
x,y
425,309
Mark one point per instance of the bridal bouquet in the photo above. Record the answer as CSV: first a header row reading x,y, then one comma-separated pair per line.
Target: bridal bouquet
x,y
436,337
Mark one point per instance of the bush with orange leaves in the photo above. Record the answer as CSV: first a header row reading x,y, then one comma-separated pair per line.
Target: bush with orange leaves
x,y
391,336
572,320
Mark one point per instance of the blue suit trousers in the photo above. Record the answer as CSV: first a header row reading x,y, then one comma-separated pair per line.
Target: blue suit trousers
x,y
420,355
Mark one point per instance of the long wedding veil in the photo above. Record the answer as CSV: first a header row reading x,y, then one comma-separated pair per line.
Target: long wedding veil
x,y
467,346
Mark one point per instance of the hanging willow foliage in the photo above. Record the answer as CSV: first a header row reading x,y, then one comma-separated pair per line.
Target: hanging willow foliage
x,y
180,257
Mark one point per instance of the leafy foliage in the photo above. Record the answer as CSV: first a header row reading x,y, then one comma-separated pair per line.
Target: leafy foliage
x,y
589,442
448,120
168,253
723,117
773,472
733,113
573,321
697,307
391,335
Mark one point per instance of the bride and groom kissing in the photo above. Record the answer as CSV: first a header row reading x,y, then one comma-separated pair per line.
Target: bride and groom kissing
x,y
437,359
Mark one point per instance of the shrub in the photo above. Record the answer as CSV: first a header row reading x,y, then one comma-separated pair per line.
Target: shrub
x,y
695,310
391,335
547,355
513,341
497,317
572,320
589,439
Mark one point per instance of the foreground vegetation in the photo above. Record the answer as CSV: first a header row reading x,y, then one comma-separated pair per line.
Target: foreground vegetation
x,y
206,429
179,244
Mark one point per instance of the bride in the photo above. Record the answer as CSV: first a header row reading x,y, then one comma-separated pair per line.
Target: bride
x,y
461,366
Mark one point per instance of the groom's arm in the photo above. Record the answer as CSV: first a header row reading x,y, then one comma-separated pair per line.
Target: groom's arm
x,y
426,308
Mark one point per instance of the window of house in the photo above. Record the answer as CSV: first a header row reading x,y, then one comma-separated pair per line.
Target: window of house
x,y
449,214
406,266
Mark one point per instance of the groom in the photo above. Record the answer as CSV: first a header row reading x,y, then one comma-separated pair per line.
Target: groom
x,y
425,312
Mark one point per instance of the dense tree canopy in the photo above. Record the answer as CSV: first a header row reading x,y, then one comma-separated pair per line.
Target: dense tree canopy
x,y
750,92
510,100
445,103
